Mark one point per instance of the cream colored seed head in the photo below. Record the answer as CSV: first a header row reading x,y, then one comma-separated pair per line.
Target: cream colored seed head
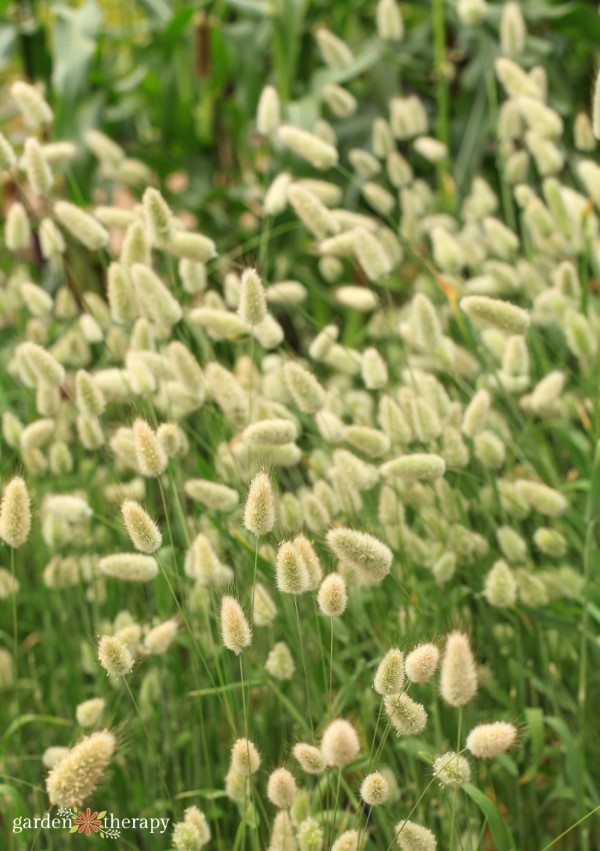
x,y
458,676
389,677
245,758
281,788
143,531
114,656
374,789
15,513
340,744
333,597
310,758
488,740
235,629
73,779
253,306
259,513
150,456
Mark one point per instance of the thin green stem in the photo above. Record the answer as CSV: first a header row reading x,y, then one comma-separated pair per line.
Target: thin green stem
x,y
308,704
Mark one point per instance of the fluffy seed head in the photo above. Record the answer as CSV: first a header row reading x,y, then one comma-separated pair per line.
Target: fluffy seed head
x,y
158,216
310,835
153,296
74,778
159,638
114,656
150,456
252,308
495,312
347,841
418,466
500,586
15,513
129,567
363,551
212,495
541,498
332,597
406,715
259,512
291,573
274,431
37,168
513,31
17,235
8,158
334,51
280,663
452,769
310,758
32,106
88,713
268,111
306,391
44,366
374,789
413,837
82,226
142,530
318,153
281,788
235,629
488,740
389,676
339,743
245,759
390,26
312,212
458,677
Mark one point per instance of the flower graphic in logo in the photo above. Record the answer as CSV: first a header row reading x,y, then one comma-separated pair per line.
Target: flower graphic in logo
x,y
88,821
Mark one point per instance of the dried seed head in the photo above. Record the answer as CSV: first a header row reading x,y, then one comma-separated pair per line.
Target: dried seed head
x,y
406,715
252,306
43,365
334,51
291,574
374,789
37,169
488,740
280,663
150,456
83,227
17,235
15,513
310,559
332,597
265,610
476,414
493,311
235,629
272,431
114,656
129,567
500,587
369,441
390,26
186,837
245,758
413,837
142,530
159,638
89,397
310,835
32,106
283,837
73,779
88,713
268,111
389,676
418,466
259,512
312,212
374,369
158,216
513,31
458,678
340,744
310,758
153,297
452,769
318,153
212,495
281,788
364,552
347,841
121,295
